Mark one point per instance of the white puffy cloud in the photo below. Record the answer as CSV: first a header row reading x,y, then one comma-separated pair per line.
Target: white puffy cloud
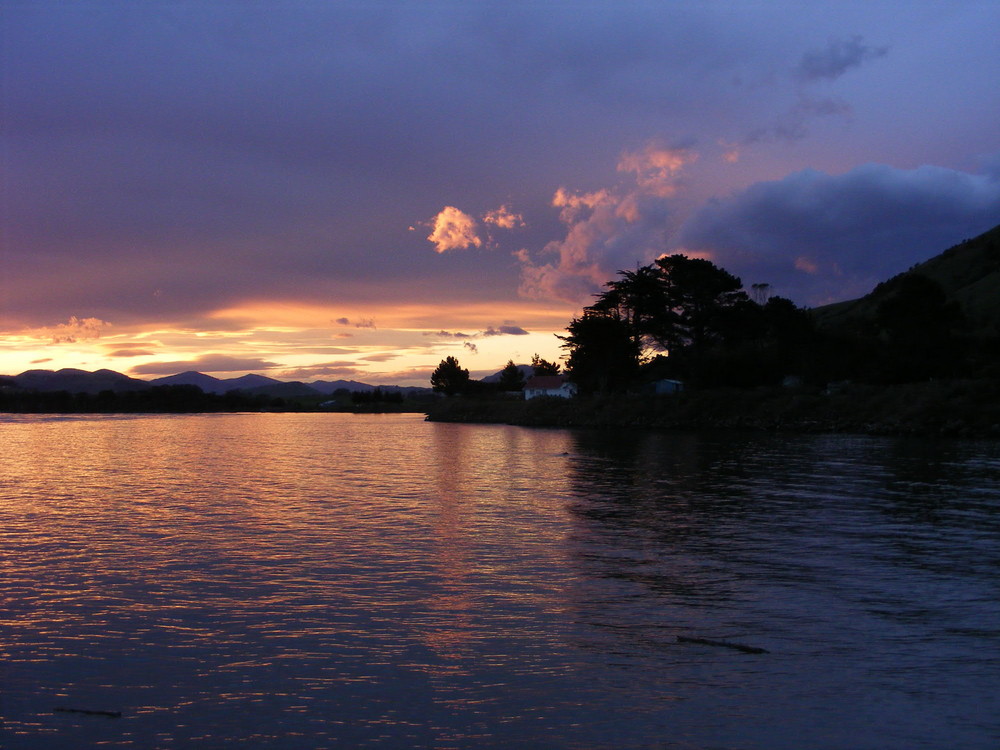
x,y
454,230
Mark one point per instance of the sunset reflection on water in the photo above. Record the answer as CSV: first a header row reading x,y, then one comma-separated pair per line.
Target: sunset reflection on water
x,y
287,581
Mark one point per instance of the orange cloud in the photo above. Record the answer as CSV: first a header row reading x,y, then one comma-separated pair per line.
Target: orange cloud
x,y
76,329
504,218
656,168
454,230
607,229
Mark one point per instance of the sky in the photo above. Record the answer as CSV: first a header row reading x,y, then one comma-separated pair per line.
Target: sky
x,y
356,190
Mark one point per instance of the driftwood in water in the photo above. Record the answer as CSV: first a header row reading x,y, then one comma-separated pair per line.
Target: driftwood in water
x,y
723,644
88,712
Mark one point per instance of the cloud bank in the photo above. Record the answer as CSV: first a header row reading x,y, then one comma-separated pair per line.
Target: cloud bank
x,y
205,363
822,237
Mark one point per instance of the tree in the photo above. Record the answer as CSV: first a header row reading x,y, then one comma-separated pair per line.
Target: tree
x,y
917,323
449,377
638,301
698,295
604,355
511,377
544,367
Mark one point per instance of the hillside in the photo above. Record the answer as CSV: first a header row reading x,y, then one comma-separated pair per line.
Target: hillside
x,y
969,274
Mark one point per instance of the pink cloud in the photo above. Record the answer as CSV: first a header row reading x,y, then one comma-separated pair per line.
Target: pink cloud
x,y
454,230
504,218
607,229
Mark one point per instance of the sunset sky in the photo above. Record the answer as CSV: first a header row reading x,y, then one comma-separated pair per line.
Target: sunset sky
x,y
320,190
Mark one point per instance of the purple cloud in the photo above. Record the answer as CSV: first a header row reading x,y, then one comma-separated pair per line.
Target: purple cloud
x,y
818,237
838,57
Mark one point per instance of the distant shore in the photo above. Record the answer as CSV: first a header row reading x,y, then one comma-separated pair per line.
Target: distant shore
x,y
952,409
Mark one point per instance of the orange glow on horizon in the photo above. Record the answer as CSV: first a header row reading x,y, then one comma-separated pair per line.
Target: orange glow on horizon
x,y
380,344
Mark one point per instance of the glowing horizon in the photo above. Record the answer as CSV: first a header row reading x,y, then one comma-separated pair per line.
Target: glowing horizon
x,y
203,186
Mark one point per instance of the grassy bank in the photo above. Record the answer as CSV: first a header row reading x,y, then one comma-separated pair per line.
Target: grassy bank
x,y
958,408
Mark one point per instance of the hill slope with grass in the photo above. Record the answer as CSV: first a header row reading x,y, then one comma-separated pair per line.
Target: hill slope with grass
x,y
968,273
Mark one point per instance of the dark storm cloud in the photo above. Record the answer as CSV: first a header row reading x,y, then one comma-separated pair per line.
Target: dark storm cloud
x,y
818,237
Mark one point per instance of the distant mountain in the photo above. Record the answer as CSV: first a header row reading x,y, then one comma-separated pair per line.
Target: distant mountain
x,y
206,382
279,389
215,385
246,382
526,370
81,381
78,381
326,387
969,274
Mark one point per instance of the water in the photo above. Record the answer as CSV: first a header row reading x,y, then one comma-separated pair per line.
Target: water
x,y
322,581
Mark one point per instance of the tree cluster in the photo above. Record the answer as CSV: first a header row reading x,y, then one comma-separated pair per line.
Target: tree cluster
x,y
687,319
162,399
376,396
450,378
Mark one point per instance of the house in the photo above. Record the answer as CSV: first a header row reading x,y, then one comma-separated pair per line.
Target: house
x,y
549,385
665,386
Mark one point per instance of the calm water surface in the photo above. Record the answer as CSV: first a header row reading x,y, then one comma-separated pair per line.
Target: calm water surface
x,y
314,581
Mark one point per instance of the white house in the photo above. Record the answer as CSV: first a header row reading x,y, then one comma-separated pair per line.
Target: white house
x,y
549,385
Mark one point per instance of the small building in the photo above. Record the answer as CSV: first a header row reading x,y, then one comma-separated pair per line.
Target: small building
x,y
549,385
665,386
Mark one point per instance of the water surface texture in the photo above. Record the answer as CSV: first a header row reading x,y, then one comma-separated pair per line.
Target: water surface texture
x,y
328,580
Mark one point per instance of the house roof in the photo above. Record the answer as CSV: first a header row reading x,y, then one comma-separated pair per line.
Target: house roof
x,y
545,382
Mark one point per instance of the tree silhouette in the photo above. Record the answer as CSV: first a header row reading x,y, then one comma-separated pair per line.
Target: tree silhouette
x,y
544,367
449,377
604,354
511,377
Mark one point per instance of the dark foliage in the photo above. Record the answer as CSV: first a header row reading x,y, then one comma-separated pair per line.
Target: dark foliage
x,y
449,377
167,399
511,377
544,367
376,396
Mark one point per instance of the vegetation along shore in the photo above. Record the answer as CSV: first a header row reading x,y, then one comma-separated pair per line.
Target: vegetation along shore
x,y
682,344
679,344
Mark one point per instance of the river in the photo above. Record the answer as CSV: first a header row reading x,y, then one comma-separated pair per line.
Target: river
x,y
377,581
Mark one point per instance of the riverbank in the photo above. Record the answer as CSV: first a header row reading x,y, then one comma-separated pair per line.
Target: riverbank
x,y
954,409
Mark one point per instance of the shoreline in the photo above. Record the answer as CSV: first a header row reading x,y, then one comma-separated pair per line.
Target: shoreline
x,y
969,409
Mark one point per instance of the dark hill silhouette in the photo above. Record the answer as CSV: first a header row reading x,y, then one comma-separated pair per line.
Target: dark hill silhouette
x,y
78,381
327,387
81,381
968,273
